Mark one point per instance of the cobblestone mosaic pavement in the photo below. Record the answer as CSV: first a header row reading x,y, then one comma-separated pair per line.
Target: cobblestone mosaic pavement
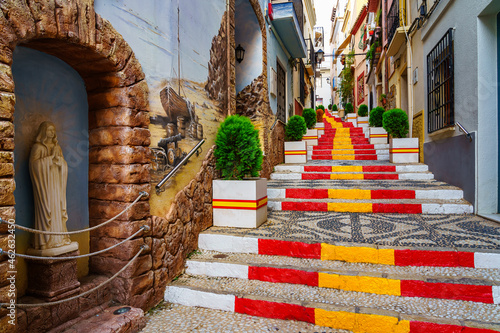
x,y
174,318
407,230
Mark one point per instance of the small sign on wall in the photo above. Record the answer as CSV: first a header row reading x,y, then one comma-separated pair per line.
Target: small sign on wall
x,y
274,83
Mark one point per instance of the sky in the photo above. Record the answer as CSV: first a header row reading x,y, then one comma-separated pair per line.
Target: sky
x,y
323,19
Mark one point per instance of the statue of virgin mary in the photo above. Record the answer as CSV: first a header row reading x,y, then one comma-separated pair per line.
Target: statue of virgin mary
x,y
49,175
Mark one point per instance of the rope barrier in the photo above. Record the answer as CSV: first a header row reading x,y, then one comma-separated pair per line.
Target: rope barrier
x,y
79,256
35,231
80,295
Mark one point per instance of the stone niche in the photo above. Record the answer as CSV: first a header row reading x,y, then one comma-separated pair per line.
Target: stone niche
x,y
119,154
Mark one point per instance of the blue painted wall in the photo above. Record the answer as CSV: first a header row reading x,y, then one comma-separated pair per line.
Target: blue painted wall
x,y
49,89
249,36
275,51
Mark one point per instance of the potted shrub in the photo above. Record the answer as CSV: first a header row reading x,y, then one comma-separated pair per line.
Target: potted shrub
x,y
295,148
378,134
351,116
240,198
335,110
320,125
401,148
383,99
311,136
329,107
363,117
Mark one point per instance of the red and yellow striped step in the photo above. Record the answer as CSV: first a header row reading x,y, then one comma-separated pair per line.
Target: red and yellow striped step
x,y
352,207
346,157
374,285
354,322
348,194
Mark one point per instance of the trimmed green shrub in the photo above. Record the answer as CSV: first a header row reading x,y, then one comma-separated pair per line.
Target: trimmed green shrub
x,y
363,110
309,117
237,151
395,122
349,108
329,106
295,128
320,107
319,115
375,119
334,107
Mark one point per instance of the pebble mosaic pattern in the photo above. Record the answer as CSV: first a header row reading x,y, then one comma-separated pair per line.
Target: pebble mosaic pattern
x,y
408,230
437,308
174,318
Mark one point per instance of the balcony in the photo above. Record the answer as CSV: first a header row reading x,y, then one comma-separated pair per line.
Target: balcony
x,y
288,28
396,35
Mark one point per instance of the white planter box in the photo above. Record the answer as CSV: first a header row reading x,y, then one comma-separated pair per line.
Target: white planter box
x,y
311,137
404,150
295,152
353,118
362,122
321,129
240,203
334,113
378,135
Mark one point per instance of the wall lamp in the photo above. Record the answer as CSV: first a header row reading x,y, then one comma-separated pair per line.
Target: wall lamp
x,y
240,53
319,56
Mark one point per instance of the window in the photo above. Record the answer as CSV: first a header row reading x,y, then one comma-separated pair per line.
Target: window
x,y
440,84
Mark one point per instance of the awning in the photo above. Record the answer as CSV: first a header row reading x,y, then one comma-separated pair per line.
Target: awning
x,y
397,41
342,46
286,24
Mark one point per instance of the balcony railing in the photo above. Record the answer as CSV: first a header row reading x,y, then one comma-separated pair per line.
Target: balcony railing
x,y
392,20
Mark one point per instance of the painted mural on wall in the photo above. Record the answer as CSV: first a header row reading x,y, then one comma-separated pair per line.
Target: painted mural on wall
x,y
182,49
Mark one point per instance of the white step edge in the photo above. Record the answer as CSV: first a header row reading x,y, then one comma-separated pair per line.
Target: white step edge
x,y
487,260
447,209
228,243
439,194
191,297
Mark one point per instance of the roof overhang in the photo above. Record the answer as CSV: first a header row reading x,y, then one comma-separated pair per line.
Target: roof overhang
x,y
342,46
397,41
286,24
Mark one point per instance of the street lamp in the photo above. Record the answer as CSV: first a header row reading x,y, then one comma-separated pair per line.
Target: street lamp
x,y
240,53
319,55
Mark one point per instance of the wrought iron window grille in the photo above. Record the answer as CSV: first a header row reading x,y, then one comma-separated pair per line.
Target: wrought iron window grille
x,y
440,84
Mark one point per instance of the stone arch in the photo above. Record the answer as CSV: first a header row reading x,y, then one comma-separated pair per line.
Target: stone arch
x,y
257,94
119,137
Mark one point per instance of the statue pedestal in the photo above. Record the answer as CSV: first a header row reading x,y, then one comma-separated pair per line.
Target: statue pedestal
x,y
52,280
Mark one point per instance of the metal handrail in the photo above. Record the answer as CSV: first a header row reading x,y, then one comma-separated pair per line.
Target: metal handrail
x,y
177,167
467,134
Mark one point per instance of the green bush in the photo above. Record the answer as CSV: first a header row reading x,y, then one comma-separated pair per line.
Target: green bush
x,y
237,151
375,119
320,107
295,128
319,115
395,122
348,108
329,106
334,107
363,110
309,117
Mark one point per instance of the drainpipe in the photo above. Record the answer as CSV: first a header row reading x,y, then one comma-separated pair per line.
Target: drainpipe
x,y
409,69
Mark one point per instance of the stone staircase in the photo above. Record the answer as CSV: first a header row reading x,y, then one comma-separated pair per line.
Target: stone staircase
x,y
342,141
299,266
